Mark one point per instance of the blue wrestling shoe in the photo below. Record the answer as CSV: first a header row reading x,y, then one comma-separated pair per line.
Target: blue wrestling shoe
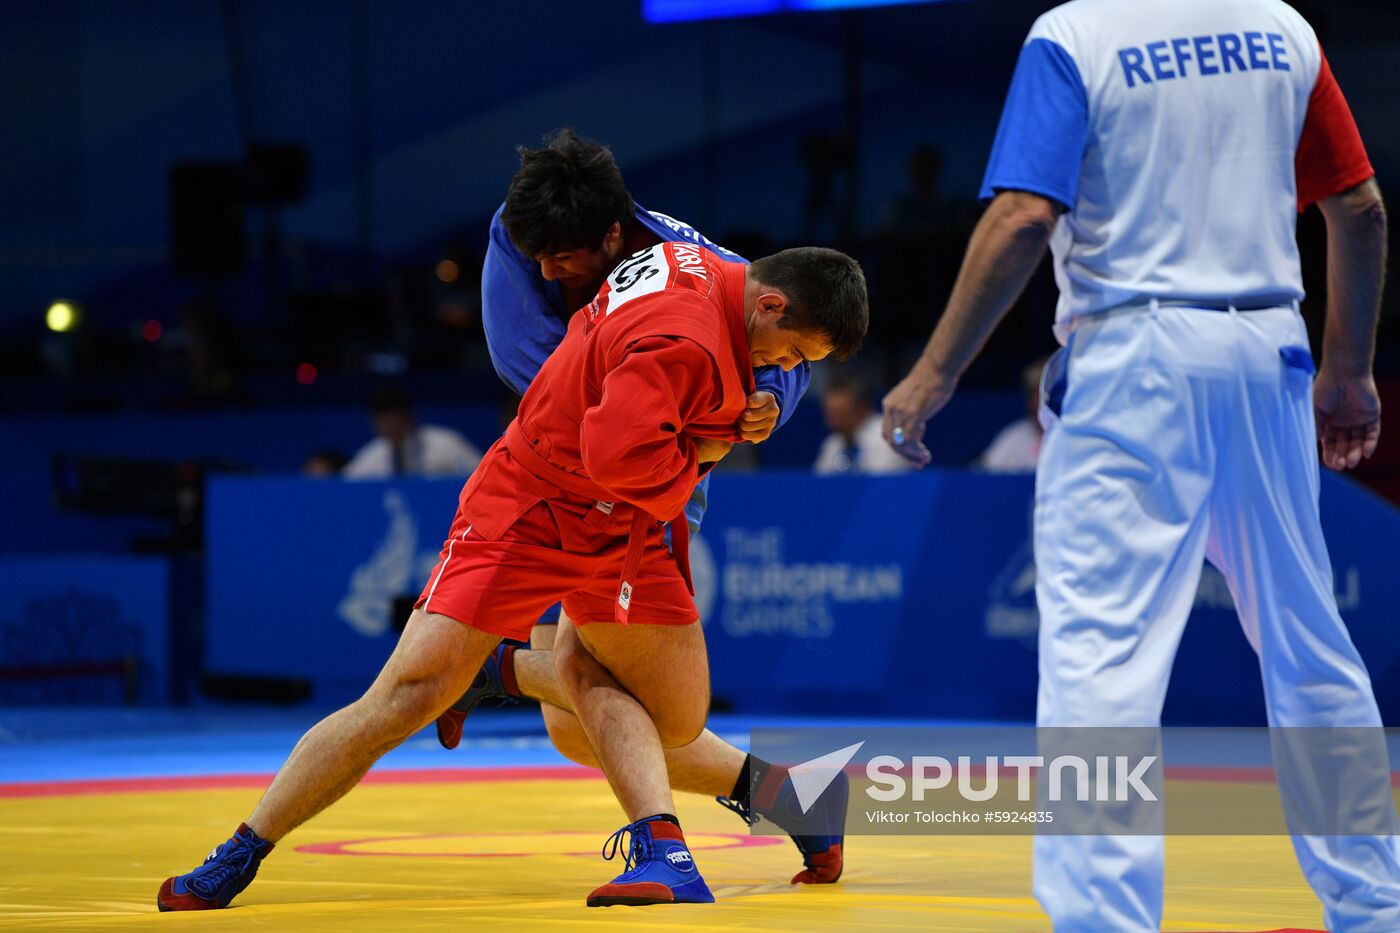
x,y
495,681
228,870
658,868
818,834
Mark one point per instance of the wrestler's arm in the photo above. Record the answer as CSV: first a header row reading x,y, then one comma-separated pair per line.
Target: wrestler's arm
x,y
632,441
787,387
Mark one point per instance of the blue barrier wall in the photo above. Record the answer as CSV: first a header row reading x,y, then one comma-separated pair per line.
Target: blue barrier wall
x,y
899,596
277,441
302,574
255,441
84,629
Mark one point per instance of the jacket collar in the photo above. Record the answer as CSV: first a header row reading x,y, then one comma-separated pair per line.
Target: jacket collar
x,y
732,278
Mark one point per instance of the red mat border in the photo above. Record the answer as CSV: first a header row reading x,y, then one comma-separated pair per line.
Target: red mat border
x,y
139,785
151,785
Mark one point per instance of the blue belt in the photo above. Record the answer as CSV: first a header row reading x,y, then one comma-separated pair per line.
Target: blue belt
x,y
1208,304
1196,304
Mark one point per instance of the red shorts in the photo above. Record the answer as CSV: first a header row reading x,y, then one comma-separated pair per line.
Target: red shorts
x,y
512,554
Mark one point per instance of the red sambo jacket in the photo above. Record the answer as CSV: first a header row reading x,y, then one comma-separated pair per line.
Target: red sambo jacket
x,y
660,357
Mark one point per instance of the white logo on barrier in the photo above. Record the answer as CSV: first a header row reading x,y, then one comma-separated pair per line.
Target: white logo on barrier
x,y
1012,613
766,595
389,573
811,778
1011,610
704,576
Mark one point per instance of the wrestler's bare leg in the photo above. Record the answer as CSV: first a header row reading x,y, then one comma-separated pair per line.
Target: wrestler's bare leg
x,y
637,690
708,766
435,660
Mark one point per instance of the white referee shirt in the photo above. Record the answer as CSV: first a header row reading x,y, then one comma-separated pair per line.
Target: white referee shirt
x,y
1181,137
429,451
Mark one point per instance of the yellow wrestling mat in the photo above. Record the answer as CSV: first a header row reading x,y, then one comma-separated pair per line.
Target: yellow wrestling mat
x,y
435,852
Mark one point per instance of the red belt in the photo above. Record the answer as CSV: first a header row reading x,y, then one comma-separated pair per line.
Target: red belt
x,y
524,453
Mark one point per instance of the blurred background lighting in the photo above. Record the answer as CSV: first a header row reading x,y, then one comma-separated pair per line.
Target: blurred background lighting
x,y
306,373
447,271
62,316
152,330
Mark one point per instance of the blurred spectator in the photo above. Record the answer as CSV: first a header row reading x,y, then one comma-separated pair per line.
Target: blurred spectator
x,y
404,447
829,209
1017,446
211,361
855,444
324,462
913,258
921,209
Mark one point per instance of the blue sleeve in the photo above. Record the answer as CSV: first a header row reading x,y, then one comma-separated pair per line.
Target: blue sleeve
x,y
521,327
695,508
787,387
1044,127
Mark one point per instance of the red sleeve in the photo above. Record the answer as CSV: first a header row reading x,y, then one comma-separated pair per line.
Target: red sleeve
x,y
631,441
1331,157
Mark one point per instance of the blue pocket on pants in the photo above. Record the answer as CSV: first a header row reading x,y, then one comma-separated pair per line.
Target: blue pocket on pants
x,y
1298,358
1055,380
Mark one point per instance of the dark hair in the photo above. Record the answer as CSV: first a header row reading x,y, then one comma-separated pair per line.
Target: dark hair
x,y
825,289
390,398
565,196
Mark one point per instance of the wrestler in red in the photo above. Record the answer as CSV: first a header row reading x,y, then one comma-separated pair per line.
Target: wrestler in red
x,y
643,395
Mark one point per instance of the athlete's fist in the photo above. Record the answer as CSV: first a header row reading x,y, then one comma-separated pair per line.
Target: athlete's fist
x,y
760,417
1348,414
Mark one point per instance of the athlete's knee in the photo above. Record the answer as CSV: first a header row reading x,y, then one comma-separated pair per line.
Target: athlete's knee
x,y
682,719
542,636
399,708
569,739
575,665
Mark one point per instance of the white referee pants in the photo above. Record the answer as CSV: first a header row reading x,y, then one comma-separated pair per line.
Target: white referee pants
x,y
1184,434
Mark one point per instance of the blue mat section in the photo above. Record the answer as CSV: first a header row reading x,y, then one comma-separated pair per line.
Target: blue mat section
x,y
100,743
95,743
75,743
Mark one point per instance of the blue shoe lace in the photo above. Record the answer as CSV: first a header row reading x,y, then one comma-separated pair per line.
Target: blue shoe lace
x,y
807,846
638,851
738,806
218,868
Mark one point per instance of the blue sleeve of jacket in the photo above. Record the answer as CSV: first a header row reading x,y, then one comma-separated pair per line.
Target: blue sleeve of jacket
x,y
1044,127
787,387
521,327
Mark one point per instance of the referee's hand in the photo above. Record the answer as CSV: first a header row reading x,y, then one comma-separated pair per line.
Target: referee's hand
x,y
1348,412
908,406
